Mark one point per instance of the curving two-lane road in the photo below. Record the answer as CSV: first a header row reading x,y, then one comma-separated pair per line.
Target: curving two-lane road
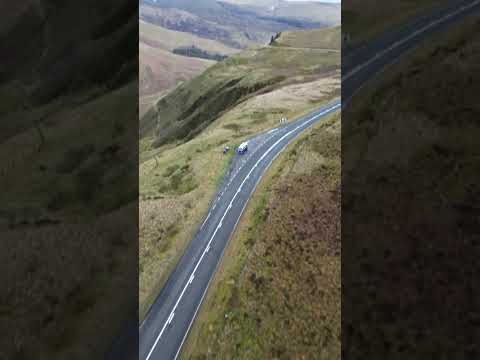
x,y
168,322
362,64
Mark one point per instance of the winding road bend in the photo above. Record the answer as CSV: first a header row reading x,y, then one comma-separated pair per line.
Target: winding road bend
x,y
363,63
168,322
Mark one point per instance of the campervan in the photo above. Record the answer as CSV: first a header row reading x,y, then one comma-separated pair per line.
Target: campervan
x,y
242,148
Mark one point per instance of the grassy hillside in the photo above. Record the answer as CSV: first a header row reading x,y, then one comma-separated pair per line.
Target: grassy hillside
x,y
278,292
159,37
65,258
37,111
194,105
68,164
146,102
67,261
426,109
234,25
179,178
329,38
160,70
63,68
366,19
326,13
217,29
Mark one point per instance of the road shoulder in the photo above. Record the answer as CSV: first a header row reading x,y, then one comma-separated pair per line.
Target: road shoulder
x,y
238,306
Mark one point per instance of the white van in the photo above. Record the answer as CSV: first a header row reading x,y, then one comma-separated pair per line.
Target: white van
x,y
243,148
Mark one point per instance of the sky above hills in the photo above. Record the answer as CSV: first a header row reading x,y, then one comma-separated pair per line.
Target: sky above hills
x,y
324,1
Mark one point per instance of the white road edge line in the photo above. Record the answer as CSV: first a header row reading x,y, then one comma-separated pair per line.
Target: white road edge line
x,y
170,318
346,77
225,248
411,36
328,110
210,213
400,42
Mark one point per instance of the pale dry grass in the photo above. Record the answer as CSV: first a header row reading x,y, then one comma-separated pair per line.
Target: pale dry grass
x,y
263,112
166,39
162,213
169,220
234,80
147,101
229,325
160,69
328,38
295,96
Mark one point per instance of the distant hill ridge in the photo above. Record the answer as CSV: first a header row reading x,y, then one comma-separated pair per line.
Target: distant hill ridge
x,y
237,25
192,106
315,39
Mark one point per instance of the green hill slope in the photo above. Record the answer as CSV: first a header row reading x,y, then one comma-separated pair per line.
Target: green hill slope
x,y
160,70
364,20
425,181
318,39
67,173
237,25
194,105
277,294
188,128
327,13
160,37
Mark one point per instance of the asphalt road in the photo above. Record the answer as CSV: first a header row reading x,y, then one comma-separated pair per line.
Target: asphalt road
x,y
362,64
168,322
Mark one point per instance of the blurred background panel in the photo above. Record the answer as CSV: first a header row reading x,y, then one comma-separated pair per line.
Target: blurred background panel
x,y
68,174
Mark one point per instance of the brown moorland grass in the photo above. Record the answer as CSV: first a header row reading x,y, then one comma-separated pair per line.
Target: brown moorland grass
x,y
192,106
427,186
47,313
198,163
366,19
60,271
277,292
203,163
159,69
166,39
68,160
